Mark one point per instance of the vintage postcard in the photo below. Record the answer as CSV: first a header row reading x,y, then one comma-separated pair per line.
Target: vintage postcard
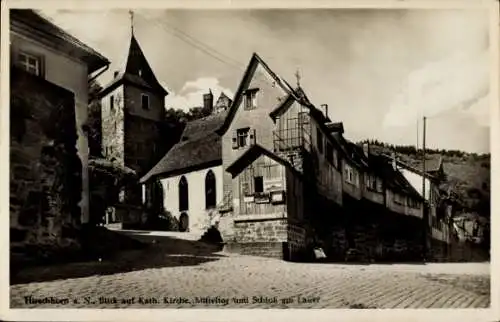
x,y
239,156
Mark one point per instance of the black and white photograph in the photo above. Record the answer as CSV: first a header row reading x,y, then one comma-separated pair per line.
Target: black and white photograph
x,y
239,157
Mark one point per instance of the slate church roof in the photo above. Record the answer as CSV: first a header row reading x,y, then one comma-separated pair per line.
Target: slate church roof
x,y
137,72
200,147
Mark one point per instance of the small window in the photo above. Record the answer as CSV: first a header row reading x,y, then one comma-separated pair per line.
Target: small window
x,y
111,102
319,140
251,99
31,63
145,101
258,184
242,137
140,72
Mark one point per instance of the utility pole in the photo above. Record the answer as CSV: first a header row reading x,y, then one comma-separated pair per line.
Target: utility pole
x,y
425,217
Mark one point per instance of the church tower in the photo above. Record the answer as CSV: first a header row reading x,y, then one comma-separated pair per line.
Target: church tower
x,y
132,111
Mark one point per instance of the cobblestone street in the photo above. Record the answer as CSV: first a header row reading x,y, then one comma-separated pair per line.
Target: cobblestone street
x,y
177,273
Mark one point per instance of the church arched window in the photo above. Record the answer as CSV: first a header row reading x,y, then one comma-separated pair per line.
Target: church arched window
x,y
183,194
210,193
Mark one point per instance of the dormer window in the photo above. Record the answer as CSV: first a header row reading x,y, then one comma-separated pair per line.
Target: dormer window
x,y
145,101
250,97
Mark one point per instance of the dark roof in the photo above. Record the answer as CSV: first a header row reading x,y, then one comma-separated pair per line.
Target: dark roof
x,y
432,164
394,179
200,147
430,174
46,31
202,127
250,155
137,72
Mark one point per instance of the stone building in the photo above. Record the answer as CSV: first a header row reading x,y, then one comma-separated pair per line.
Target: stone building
x,y
132,114
49,76
190,174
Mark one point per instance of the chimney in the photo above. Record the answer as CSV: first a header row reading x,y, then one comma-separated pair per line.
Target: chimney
x,y
394,164
325,109
366,149
208,101
115,74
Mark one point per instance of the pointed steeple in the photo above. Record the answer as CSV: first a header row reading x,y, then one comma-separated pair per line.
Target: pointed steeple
x,y
137,65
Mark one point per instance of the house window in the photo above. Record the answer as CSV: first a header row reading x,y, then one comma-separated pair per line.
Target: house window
x,y
351,176
251,99
31,63
241,139
335,159
319,140
210,194
371,182
111,102
258,184
145,101
183,194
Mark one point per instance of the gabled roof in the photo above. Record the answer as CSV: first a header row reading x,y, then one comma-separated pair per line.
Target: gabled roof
x,y
250,155
430,174
255,61
200,147
202,127
47,32
394,179
137,72
223,101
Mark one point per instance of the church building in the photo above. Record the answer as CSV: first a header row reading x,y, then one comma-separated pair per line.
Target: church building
x,y
190,174
133,110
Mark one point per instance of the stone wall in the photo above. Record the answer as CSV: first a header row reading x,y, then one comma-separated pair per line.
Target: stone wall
x,y
45,170
260,238
297,241
256,231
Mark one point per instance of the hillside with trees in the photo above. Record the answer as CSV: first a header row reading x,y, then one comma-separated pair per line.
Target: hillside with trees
x,y
467,174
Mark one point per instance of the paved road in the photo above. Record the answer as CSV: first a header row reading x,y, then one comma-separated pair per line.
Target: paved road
x,y
179,273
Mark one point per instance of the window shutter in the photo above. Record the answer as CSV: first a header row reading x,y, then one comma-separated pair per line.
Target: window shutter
x,y
252,137
235,141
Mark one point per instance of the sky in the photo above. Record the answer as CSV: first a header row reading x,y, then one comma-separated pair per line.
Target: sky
x,y
378,70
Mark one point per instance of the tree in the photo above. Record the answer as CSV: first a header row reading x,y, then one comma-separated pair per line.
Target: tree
x,y
93,125
106,179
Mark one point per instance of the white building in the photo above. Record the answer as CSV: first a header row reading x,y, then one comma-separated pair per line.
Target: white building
x,y
42,48
191,172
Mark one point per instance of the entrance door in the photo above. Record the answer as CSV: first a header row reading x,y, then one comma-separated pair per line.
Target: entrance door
x,y
184,222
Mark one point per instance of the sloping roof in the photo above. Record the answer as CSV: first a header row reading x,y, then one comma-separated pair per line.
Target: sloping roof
x,y
223,100
247,76
432,164
200,147
394,179
202,127
137,72
45,30
250,155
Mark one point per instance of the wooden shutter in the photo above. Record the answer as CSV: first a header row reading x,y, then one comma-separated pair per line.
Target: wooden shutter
x,y
252,137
